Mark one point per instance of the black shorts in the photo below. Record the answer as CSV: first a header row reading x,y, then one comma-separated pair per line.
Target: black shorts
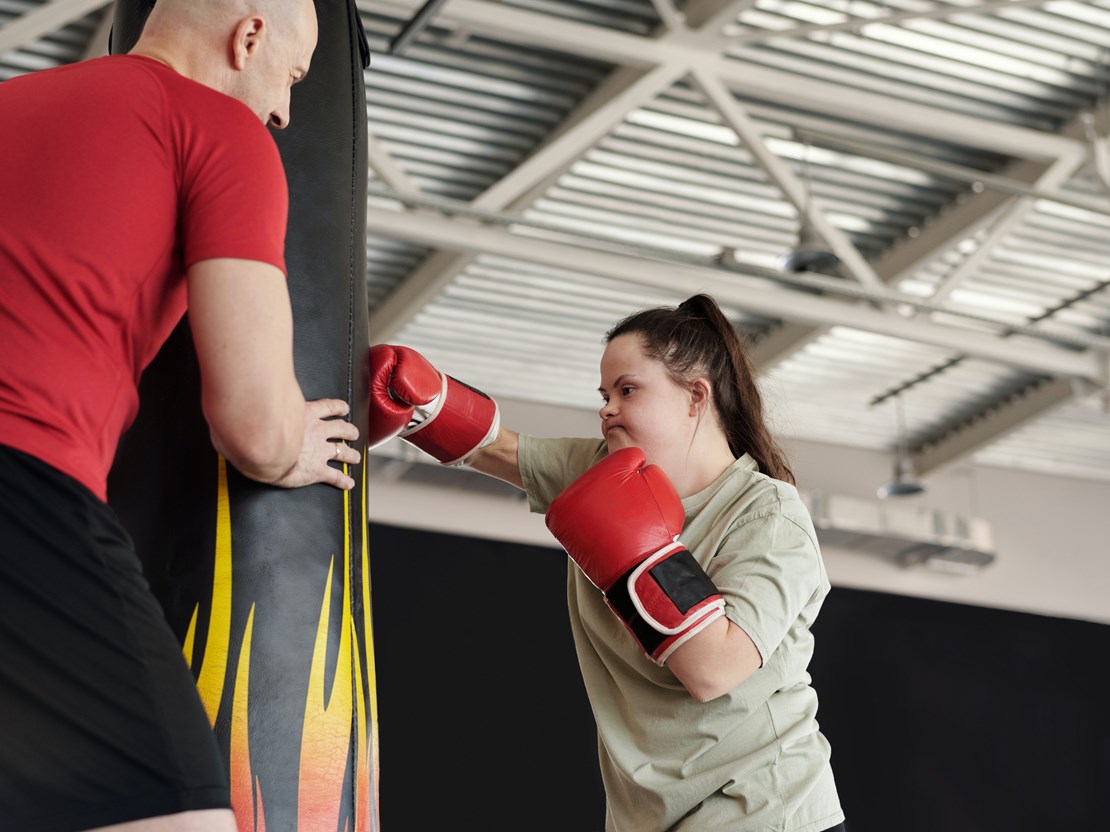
x,y
100,720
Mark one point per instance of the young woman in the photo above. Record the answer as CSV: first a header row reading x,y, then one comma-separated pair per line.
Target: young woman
x,y
696,573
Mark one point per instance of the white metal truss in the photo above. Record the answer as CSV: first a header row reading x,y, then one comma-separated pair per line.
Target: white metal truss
x,y
703,48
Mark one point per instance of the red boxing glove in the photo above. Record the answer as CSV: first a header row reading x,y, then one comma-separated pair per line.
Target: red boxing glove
x,y
620,523
412,399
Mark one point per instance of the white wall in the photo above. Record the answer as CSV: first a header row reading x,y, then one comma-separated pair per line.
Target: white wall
x,y
1052,534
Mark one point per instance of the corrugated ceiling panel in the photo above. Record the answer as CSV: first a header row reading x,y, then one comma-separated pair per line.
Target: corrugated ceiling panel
x,y
633,16
1073,440
457,124
457,114
842,384
520,330
1026,66
60,47
460,109
673,175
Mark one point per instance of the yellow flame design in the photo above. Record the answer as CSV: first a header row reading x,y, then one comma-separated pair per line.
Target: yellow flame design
x,y
326,736
210,682
325,743
243,798
327,726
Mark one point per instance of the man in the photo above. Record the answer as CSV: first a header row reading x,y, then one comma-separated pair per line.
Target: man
x,y
131,186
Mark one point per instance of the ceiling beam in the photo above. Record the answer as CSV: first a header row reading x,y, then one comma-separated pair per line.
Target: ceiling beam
x,y
422,286
615,85
620,48
942,232
668,13
47,18
780,343
382,163
987,428
711,15
666,58
1067,163
586,131
795,191
736,288
98,43
1010,217
595,118
856,24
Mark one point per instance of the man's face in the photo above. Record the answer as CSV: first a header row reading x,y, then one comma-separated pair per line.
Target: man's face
x,y
282,59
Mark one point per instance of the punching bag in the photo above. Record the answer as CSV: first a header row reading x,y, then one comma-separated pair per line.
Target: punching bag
x,y
268,589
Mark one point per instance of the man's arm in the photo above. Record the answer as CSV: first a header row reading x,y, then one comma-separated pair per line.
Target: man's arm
x,y
242,325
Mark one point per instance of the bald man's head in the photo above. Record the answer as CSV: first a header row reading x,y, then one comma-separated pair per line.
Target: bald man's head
x,y
252,50
209,14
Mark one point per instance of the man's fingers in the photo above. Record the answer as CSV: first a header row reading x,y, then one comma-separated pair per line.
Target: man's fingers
x,y
343,430
332,412
345,453
340,480
323,408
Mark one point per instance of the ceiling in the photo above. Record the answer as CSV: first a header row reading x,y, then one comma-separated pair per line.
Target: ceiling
x,y
540,168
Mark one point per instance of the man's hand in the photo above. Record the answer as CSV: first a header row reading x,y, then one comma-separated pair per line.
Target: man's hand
x,y
326,433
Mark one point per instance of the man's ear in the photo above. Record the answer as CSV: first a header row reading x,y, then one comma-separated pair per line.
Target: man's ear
x,y
246,40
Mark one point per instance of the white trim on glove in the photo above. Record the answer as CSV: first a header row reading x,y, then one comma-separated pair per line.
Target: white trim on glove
x,y
427,412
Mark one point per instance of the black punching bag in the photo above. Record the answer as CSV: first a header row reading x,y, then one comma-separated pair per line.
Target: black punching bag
x,y
268,589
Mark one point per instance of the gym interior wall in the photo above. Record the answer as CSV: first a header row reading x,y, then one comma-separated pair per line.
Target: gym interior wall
x,y
943,717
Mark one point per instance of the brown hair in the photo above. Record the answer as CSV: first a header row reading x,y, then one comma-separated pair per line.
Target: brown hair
x,y
696,339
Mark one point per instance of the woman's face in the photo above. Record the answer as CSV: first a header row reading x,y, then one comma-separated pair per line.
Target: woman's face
x,y
643,406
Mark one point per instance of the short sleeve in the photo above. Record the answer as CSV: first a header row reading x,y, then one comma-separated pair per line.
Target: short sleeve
x,y
549,465
769,570
235,196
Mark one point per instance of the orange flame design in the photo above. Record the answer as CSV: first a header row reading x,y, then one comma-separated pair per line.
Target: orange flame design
x,y
246,790
327,726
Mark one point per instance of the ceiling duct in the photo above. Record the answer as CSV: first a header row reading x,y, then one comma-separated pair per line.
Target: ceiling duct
x,y
907,535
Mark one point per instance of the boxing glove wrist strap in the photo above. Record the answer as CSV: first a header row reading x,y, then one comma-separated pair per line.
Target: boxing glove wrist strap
x,y
665,600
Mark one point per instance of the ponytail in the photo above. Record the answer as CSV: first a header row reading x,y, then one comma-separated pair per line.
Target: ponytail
x,y
696,339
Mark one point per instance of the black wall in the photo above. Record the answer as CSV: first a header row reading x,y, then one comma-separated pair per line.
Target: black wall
x,y
482,717
951,718
942,717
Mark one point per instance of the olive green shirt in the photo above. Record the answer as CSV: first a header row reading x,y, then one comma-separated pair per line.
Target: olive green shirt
x,y
752,759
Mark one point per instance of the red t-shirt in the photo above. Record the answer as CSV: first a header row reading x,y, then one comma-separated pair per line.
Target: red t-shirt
x,y
116,175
